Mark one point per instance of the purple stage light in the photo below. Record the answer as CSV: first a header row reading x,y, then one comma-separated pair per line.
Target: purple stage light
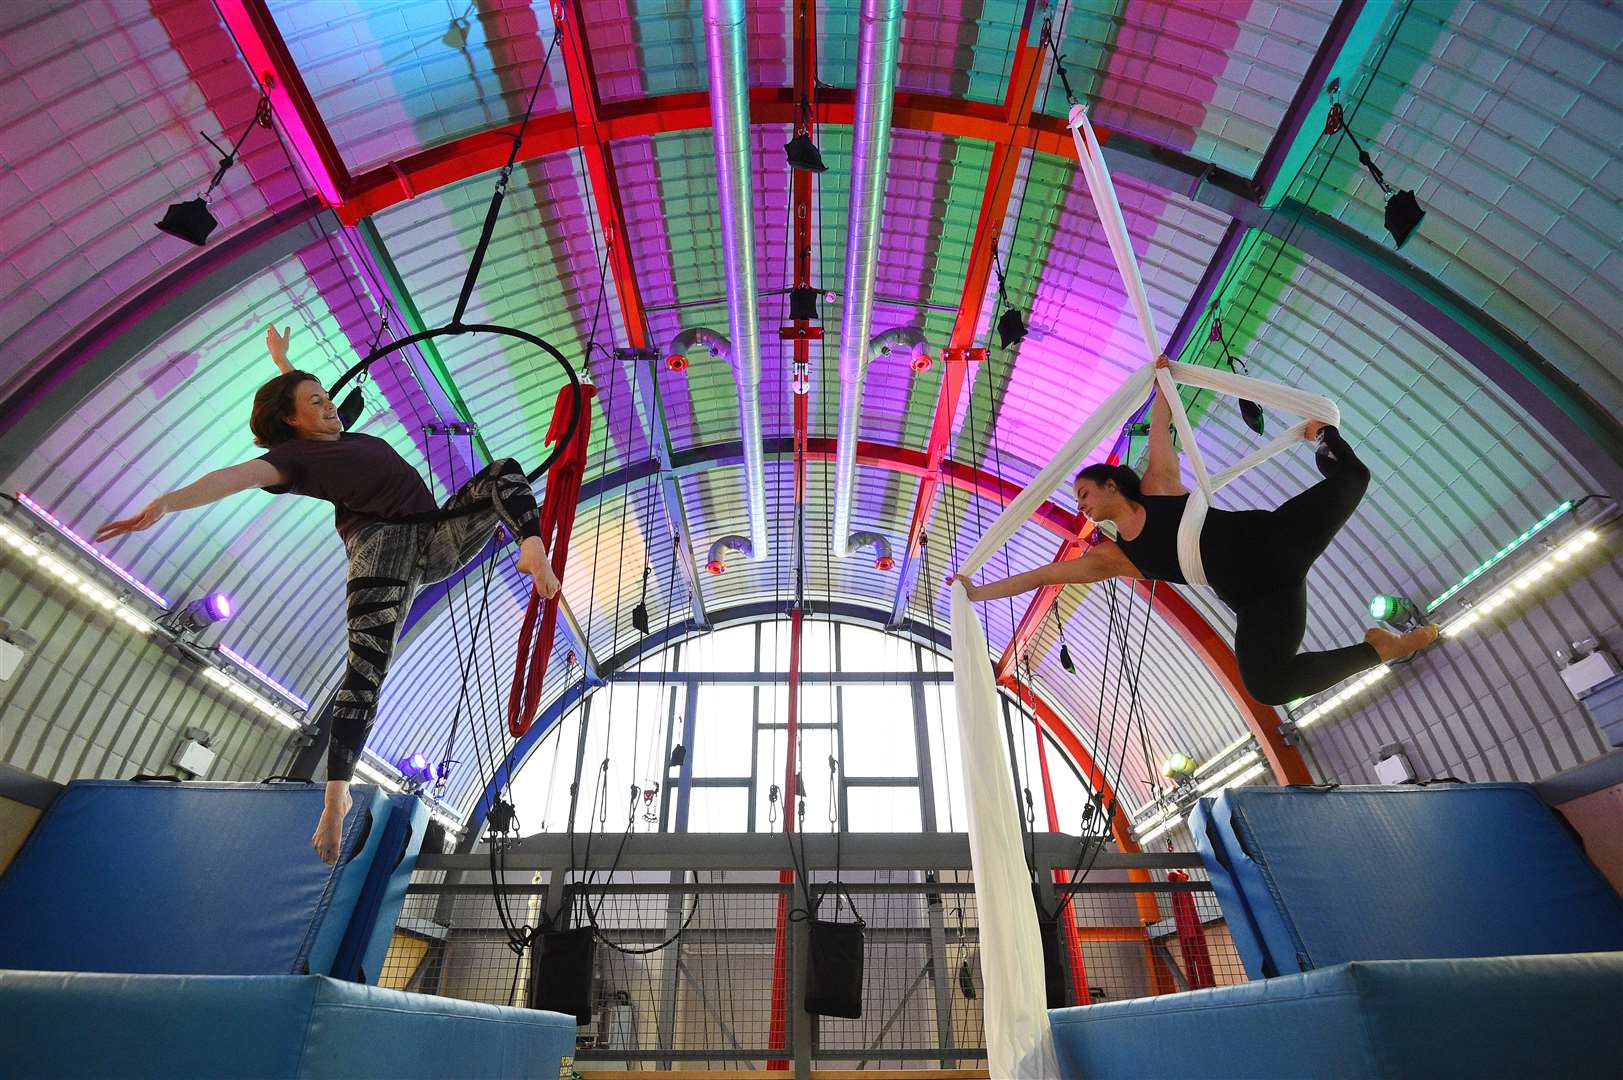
x,y
218,605
237,659
90,549
416,767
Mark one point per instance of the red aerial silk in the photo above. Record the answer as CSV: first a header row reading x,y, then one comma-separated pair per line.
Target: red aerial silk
x,y
557,519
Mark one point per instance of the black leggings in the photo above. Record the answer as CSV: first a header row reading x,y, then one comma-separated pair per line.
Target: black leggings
x,y
387,562
1272,614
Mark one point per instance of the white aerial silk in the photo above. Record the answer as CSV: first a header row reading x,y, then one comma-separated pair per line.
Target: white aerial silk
x,y
1018,1041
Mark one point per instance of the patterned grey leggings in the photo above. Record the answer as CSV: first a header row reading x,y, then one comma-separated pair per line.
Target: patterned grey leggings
x,y
387,564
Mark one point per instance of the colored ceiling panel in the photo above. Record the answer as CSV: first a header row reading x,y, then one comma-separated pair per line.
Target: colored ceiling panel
x,y
1211,79
100,105
1083,336
949,48
392,76
650,49
1456,471
180,409
1506,119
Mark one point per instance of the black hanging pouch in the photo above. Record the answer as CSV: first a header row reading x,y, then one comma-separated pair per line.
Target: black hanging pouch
x,y
1053,962
561,972
834,976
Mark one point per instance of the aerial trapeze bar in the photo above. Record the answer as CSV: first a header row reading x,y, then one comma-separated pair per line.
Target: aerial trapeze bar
x,y
558,507
1019,1043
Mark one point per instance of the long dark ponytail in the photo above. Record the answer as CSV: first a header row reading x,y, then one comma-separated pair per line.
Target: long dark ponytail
x,y
1125,479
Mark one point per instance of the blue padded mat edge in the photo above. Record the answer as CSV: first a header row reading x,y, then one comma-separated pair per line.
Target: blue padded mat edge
x,y
220,879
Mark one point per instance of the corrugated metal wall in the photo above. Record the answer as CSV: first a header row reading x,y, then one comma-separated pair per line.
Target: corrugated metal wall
x,y
95,699
1490,705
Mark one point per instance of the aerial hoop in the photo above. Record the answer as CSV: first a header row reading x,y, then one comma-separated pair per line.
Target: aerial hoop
x,y
454,330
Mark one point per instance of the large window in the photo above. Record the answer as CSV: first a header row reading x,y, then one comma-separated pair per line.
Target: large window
x,y
876,748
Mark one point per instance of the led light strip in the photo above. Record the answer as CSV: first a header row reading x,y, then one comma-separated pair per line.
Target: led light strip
x,y
104,599
1552,562
1500,555
1222,778
74,580
1510,590
1147,813
241,661
250,697
90,549
1223,753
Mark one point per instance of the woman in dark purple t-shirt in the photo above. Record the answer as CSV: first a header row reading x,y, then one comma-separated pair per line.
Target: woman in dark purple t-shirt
x,y
374,493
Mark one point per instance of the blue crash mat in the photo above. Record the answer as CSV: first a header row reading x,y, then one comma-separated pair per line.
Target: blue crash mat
x,y
377,908
1517,1016
1310,877
168,1027
186,878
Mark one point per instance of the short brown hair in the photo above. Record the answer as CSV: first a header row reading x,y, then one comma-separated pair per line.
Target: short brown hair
x,y
273,404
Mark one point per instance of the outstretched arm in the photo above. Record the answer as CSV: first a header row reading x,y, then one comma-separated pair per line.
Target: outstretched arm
x,y
210,488
1161,469
1102,562
277,344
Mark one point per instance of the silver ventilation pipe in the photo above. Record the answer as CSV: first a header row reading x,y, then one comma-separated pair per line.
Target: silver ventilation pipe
x,y
878,53
726,37
676,352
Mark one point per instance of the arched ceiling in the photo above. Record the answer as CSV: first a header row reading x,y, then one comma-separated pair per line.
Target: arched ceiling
x,y
1506,118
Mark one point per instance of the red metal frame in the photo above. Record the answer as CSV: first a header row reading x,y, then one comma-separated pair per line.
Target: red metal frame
x,y
1008,143
1283,758
439,166
1011,128
802,333
1031,621
254,30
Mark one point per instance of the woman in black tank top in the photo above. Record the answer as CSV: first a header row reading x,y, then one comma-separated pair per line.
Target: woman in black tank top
x,y
1255,560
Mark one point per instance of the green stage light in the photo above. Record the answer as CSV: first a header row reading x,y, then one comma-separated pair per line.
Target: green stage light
x,y
1394,610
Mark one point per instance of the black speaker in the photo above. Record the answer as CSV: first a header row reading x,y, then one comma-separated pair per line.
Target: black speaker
x,y
561,973
1053,963
834,976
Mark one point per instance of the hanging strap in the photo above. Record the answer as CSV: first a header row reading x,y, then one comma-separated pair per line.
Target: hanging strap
x,y
1314,406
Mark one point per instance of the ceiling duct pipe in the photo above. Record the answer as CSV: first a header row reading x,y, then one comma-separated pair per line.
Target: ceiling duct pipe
x,y
676,355
882,557
716,560
878,53
726,36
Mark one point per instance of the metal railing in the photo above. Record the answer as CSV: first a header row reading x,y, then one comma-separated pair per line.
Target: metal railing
x,y
727,991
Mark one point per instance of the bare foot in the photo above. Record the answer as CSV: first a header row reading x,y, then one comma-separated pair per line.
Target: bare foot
x,y
329,834
1389,646
532,560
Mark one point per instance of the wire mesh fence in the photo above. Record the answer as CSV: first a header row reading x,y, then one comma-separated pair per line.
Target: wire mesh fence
x,y
699,969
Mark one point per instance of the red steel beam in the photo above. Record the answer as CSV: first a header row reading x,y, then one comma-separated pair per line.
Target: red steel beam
x,y
805,70
1032,620
1007,146
482,151
777,1035
1067,922
254,30
1283,758
1121,830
